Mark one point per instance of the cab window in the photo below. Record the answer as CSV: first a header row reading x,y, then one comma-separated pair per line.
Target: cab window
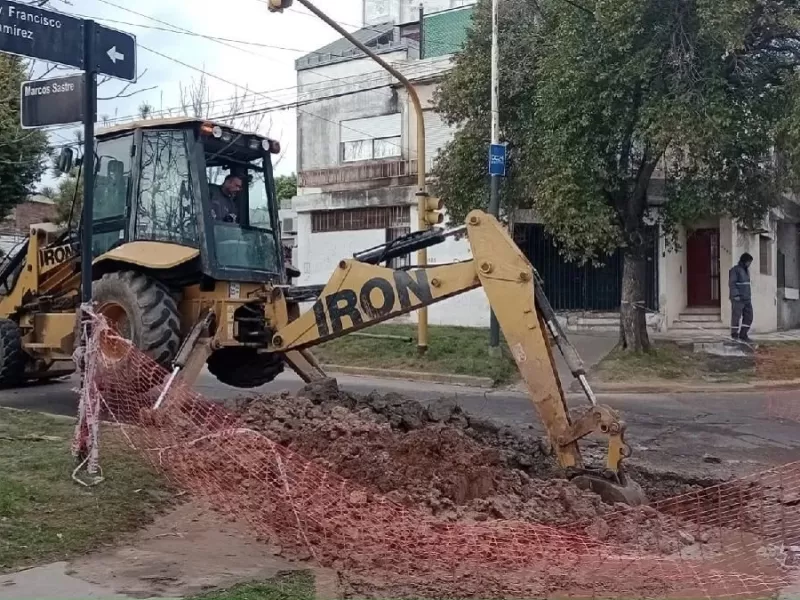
x,y
165,208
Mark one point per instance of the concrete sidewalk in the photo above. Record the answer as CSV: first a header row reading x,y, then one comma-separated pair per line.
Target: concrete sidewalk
x,y
52,582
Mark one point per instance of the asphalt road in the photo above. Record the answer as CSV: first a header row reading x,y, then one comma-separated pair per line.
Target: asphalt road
x,y
679,432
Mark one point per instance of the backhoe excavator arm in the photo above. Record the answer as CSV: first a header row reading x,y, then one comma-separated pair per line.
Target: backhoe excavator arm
x,y
359,295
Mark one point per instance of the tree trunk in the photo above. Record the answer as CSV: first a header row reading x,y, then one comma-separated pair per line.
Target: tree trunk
x,y
633,315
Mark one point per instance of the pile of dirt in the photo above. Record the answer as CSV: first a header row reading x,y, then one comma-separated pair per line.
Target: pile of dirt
x,y
448,463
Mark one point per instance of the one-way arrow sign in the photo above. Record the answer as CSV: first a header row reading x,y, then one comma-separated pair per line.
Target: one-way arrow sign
x,y
116,53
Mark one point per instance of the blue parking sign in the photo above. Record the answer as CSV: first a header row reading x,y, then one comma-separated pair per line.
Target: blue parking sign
x,y
497,160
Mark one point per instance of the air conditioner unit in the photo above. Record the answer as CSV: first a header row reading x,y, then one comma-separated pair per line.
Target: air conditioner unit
x,y
288,226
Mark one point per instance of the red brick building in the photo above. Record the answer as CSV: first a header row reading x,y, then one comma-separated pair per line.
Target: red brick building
x,y
14,228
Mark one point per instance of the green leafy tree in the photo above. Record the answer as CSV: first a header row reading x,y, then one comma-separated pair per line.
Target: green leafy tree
x,y
286,186
22,152
599,94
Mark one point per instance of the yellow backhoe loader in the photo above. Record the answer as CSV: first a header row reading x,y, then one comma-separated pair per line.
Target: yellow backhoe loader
x,y
191,290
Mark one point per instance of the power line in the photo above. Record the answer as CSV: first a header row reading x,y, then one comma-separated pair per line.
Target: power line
x,y
345,81
217,77
238,114
227,81
186,65
208,36
223,41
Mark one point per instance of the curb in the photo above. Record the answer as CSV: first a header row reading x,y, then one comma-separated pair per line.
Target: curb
x,y
684,388
445,378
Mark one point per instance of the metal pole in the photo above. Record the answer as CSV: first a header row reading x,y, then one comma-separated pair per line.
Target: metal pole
x,y
90,101
494,198
421,31
422,192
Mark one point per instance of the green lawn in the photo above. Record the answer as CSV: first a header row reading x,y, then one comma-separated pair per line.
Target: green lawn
x,y
670,361
453,350
286,586
44,515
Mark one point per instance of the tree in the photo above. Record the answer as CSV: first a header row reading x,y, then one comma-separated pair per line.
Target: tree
x,y
286,187
63,197
145,110
22,153
598,94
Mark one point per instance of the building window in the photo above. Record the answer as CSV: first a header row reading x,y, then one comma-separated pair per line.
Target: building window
x,y
765,255
369,217
371,149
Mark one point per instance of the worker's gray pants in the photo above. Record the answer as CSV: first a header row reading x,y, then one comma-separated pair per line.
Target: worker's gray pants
x,y
742,312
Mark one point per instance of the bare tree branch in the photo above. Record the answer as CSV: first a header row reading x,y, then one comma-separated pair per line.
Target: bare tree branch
x,y
121,93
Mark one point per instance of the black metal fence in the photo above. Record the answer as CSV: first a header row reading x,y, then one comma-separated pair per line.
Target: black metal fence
x,y
570,286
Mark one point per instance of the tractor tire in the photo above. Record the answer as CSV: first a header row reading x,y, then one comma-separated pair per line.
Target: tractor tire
x,y
244,368
143,311
12,356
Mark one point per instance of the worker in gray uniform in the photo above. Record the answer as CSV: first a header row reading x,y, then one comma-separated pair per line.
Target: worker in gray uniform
x,y
741,298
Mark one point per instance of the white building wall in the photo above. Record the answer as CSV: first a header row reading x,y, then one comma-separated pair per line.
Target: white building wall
x,y
764,285
728,256
672,278
319,128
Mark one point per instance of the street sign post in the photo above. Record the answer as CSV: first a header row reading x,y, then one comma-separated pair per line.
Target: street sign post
x,y
56,101
89,107
497,160
56,37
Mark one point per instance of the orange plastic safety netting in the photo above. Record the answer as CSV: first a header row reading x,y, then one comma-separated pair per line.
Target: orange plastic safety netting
x,y
736,540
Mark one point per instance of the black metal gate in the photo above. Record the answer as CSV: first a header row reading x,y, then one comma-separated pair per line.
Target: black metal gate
x,y
570,286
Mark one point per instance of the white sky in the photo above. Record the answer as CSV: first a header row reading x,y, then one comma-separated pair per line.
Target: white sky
x,y
266,70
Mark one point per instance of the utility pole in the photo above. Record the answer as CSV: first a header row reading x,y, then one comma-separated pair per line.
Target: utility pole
x,y
494,198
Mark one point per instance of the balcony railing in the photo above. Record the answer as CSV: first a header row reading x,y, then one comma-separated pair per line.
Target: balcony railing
x,y
367,171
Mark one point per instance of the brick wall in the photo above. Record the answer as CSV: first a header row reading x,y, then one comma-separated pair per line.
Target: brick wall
x,y
25,215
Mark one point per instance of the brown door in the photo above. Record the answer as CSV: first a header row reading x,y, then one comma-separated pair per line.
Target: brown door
x,y
702,267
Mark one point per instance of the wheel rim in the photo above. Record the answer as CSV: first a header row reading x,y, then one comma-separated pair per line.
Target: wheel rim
x,y
111,346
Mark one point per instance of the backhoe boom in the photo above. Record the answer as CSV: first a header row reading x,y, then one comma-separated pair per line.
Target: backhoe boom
x,y
360,295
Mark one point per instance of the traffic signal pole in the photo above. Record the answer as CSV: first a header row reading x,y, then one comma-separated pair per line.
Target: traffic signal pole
x,y
494,198
422,191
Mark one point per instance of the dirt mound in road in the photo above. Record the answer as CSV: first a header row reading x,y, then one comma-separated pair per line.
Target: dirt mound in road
x,y
452,465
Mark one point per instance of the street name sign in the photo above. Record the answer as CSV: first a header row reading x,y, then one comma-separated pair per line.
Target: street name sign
x,y
115,53
497,160
38,33
56,101
56,37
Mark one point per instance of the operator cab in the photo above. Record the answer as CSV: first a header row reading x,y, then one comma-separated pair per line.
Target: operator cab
x,y
155,181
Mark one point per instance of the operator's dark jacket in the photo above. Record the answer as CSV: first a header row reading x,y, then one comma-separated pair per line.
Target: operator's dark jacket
x,y
739,283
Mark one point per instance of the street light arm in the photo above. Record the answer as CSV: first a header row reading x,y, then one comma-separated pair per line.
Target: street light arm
x,y
422,193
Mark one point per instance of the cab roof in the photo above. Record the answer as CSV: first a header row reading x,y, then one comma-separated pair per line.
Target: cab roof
x,y
170,122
